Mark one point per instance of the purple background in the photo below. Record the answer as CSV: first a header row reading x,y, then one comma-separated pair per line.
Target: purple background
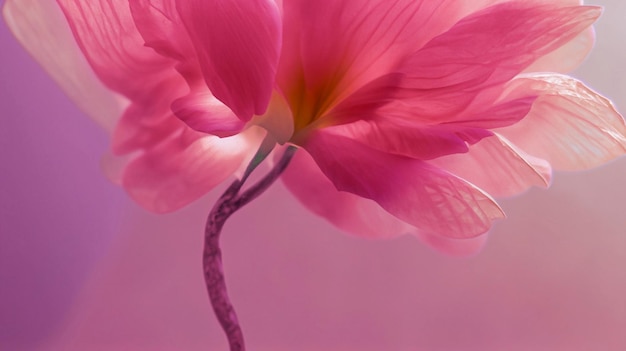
x,y
83,268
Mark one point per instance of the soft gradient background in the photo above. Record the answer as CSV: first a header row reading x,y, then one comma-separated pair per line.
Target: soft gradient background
x,y
83,268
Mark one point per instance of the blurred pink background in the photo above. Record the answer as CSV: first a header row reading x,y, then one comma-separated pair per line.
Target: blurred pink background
x,y
83,268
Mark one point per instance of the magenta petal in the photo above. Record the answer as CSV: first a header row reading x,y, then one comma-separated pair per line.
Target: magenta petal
x,y
109,39
490,108
159,23
238,44
162,29
400,137
420,194
498,167
570,125
201,111
394,129
486,49
501,114
170,176
349,212
344,44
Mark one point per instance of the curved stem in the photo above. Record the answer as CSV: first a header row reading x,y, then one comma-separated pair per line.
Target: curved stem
x,y
227,204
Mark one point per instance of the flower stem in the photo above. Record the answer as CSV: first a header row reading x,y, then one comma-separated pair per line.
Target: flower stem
x,y
227,204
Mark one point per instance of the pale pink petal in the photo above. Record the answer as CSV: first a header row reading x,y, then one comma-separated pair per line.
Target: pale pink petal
x,y
349,212
568,57
144,127
175,173
570,125
146,124
498,167
43,31
107,35
418,193
484,50
238,44
454,247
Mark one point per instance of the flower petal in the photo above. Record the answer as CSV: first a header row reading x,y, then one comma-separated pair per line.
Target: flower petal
x,y
201,111
43,31
484,50
144,127
412,190
568,57
570,125
331,48
175,173
348,212
498,167
397,131
238,44
422,142
348,43
108,37
162,29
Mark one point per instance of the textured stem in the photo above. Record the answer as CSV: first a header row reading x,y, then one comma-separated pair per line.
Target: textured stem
x,y
227,204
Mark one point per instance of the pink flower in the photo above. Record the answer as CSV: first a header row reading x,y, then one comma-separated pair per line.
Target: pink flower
x,y
407,112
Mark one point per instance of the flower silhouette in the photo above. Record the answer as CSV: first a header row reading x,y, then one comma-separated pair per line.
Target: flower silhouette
x,y
408,112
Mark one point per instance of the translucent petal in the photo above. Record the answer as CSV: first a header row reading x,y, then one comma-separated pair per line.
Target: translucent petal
x,y
570,125
420,194
43,31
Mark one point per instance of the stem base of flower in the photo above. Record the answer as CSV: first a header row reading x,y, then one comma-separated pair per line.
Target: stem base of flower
x,y
213,270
